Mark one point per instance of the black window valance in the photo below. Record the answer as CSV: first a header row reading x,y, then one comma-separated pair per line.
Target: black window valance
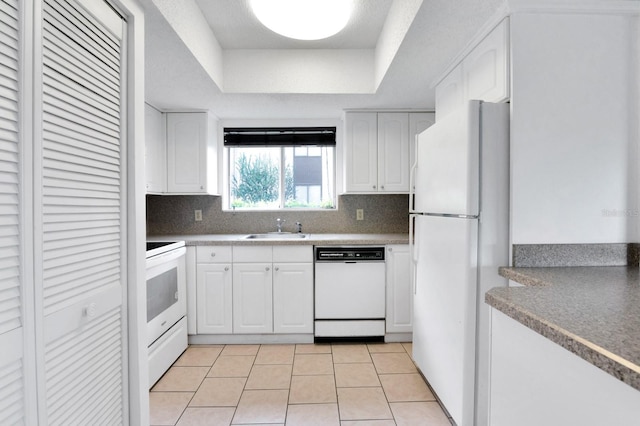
x,y
279,136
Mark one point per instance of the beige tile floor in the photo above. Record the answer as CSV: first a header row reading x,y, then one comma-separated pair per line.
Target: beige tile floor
x,y
305,385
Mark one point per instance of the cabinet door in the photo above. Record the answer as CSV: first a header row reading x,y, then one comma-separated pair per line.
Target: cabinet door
x,y
155,150
450,93
215,303
486,68
393,152
399,290
187,152
361,154
293,298
252,298
418,123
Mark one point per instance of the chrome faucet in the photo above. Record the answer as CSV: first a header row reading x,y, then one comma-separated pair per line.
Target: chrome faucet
x,y
299,225
279,223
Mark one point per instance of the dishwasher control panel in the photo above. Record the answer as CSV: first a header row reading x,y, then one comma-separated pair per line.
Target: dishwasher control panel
x,y
349,254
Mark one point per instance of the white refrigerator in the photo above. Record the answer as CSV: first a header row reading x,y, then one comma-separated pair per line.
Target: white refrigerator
x,y
459,219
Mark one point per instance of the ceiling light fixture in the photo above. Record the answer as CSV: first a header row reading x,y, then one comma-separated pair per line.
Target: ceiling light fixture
x,y
303,19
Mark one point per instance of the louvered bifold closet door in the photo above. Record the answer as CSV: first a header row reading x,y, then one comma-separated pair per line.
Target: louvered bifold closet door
x,y
11,327
83,211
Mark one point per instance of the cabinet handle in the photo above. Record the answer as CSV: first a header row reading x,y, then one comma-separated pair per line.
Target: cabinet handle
x,y
226,268
89,311
267,269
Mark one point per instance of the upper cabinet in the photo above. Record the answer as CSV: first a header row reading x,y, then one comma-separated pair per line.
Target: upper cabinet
x,y
181,153
191,153
378,150
483,74
155,150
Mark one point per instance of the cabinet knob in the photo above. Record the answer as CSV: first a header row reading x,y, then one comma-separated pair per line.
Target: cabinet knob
x,y
213,254
201,187
390,249
277,269
382,187
226,268
267,269
374,187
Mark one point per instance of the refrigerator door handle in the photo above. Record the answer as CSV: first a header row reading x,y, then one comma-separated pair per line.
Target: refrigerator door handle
x,y
413,249
412,179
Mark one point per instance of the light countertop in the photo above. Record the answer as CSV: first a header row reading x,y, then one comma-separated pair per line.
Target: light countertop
x,y
593,312
312,239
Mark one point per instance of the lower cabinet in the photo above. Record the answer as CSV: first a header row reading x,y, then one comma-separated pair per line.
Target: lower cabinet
x,y
252,298
214,298
293,298
536,382
399,318
254,289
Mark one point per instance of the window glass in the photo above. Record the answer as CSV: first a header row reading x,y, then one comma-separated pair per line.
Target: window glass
x,y
278,177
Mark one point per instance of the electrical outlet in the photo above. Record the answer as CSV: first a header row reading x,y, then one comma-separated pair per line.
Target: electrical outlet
x,y
198,215
359,214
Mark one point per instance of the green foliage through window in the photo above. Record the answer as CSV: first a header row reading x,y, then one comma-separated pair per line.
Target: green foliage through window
x,y
281,177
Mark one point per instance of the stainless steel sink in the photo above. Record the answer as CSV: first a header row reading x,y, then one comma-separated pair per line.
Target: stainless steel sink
x,y
277,236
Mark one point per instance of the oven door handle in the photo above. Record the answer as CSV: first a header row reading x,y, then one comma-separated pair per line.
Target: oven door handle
x,y
166,257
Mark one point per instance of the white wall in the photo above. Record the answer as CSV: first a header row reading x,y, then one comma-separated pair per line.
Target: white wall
x,y
299,71
574,128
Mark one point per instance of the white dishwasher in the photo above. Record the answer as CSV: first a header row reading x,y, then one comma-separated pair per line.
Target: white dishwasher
x,y
350,293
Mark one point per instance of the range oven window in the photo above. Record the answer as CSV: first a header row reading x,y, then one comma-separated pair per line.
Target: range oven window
x,y
162,292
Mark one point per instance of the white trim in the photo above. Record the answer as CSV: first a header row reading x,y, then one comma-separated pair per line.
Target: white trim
x,y
615,7
137,352
244,339
26,212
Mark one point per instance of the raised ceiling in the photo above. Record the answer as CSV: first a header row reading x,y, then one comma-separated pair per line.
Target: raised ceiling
x,y
235,27
214,55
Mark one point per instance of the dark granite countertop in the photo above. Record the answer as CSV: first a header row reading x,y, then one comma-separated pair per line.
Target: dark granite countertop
x,y
313,239
593,312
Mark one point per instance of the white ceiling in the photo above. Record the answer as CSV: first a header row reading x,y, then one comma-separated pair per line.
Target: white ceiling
x,y
177,80
235,27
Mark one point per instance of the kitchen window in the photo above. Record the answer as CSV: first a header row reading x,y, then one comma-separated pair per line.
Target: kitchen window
x,y
280,168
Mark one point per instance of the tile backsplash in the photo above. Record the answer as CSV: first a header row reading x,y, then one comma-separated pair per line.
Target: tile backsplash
x,y
174,214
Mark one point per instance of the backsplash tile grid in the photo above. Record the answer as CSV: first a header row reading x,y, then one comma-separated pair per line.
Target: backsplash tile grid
x,y
174,214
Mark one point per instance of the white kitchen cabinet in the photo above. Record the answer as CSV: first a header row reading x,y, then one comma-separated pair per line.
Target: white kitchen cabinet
x,y
361,152
393,152
155,150
377,152
482,74
450,92
293,289
418,123
252,289
486,68
252,298
191,153
214,290
399,318
530,372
